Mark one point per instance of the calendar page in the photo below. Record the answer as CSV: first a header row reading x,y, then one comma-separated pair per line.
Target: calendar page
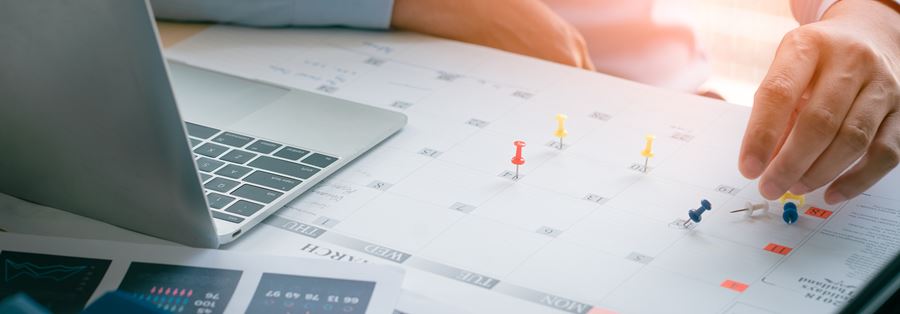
x,y
598,220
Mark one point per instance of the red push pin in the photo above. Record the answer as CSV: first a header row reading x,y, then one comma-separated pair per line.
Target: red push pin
x,y
518,160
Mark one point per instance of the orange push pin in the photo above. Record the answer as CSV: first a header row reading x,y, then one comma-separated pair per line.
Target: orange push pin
x,y
518,160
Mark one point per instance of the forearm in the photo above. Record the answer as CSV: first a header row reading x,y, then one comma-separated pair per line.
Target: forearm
x,y
525,27
272,13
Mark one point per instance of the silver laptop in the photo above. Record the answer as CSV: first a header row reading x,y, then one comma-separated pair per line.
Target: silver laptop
x,y
89,123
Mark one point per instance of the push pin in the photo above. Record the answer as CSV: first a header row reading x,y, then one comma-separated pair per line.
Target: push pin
x,y
518,160
749,208
790,215
648,150
561,128
791,197
695,214
791,201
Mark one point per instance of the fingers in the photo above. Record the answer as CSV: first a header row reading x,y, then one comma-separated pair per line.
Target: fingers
x,y
851,142
586,62
816,126
582,51
882,156
790,74
575,50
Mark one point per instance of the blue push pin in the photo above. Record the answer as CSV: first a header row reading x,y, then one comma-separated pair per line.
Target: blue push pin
x,y
695,214
790,215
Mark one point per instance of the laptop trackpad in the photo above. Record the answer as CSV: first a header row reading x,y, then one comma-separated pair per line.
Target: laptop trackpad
x,y
321,123
215,99
293,117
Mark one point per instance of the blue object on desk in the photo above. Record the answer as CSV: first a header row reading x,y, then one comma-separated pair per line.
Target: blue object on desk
x,y
695,214
121,302
790,215
20,303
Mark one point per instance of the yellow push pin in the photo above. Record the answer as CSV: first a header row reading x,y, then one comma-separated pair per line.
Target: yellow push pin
x,y
648,150
788,197
561,128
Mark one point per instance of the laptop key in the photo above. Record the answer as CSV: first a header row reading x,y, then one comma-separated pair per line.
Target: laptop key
x,y
195,142
211,150
208,165
291,153
221,184
283,167
204,177
263,147
238,156
233,171
232,139
200,131
272,180
226,217
244,208
256,194
218,201
319,160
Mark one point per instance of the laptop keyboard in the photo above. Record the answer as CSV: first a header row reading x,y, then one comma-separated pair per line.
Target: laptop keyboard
x,y
242,174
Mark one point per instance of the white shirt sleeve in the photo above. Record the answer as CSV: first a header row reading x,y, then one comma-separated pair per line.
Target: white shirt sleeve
x,y
808,11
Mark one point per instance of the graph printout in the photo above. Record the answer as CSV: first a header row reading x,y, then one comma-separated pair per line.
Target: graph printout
x,y
62,284
181,288
278,293
64,275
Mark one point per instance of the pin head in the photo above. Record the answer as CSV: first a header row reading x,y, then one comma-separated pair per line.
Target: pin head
x,y
519,144
695,214
648,146
798,199
518,160
750,208
561,127
790,215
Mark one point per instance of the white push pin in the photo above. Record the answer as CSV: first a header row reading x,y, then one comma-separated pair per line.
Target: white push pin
x,y
749,208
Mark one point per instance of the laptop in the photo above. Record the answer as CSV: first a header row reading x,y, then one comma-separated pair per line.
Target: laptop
x,y
880,295
93,120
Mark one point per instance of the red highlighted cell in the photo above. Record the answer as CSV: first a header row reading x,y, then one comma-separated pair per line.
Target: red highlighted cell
x,y
818,212
734,285
777,249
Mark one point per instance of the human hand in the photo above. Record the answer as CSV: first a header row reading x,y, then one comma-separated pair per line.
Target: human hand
x,y
830,97
525,27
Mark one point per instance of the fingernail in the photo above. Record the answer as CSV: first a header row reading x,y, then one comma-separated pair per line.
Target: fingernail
x,y
834,197
799,188
770,190
752,167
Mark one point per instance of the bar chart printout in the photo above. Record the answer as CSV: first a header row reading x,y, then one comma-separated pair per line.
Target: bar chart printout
x,y
181,289
279,293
